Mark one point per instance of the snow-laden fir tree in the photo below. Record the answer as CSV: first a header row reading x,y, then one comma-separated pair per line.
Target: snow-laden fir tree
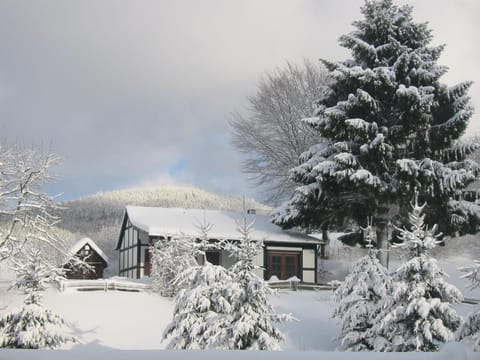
x,y
251,322
170,257
470,329
390,126
202,303
419,315
33,326
360,298
200,308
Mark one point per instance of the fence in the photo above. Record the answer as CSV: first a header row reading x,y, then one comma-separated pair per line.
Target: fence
x,y
105,285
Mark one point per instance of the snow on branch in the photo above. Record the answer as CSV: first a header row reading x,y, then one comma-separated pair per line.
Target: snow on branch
x,y
26,212
472,273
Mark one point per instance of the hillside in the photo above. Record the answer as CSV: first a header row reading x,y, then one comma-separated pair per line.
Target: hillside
x,y
99,216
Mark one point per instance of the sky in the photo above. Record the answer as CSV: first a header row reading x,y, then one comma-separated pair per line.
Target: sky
x,y
140,93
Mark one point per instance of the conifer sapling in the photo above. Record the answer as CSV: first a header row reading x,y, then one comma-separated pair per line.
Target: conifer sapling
x,y
419,315
252,317
33,326
361,296
470,329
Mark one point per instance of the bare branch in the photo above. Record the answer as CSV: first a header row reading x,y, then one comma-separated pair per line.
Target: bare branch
x,y
26,212
273,135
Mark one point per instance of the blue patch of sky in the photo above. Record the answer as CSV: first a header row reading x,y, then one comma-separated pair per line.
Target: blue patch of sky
x,y
177,167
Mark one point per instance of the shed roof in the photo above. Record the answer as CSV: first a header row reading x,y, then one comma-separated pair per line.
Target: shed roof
x,y
75,248
166,222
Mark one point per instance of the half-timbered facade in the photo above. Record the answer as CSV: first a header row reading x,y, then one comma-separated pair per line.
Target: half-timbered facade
x,y
285,254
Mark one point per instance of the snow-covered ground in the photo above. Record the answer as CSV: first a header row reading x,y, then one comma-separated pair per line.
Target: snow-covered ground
x,y
126,325
133,322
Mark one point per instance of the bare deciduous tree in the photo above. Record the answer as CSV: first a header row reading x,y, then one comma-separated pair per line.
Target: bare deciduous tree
x,y
26,212
272,135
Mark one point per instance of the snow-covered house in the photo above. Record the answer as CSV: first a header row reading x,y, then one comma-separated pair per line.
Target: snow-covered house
x,y
88,251
286,253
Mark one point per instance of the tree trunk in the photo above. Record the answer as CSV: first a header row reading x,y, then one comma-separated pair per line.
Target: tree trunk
x,y
326,240
381,227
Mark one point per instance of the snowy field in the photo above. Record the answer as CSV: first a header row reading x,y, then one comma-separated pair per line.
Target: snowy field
x,y
106,322
129,325
126,325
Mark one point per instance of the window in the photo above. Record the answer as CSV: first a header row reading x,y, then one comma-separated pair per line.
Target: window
x,y
213,257
283,265
276,265
147,266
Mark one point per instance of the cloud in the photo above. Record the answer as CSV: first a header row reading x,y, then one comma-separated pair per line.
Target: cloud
x,y
126,91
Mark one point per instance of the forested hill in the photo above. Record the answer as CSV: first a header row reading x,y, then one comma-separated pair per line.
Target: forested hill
x,y
99,216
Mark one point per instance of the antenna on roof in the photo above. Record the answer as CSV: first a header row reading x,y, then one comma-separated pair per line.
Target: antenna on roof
x,y
248,211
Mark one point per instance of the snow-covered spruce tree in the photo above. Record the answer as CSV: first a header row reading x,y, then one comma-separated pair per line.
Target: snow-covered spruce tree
x,y
33,326
169,258
392,126
200,307
470,329
419,314
250,323
360,298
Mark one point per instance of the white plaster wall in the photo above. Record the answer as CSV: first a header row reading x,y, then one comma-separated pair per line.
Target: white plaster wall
x,y
259,262
284,248
308,258
309,276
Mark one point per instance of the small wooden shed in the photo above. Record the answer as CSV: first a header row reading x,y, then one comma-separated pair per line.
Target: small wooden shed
x,y
86,250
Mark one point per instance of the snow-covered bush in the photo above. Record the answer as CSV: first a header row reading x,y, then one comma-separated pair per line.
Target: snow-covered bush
x,y
169,258
470,329
360,298
418,316
33,326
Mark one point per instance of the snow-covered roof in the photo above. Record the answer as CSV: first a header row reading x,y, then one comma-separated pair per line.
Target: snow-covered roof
x,y
174,221
75,248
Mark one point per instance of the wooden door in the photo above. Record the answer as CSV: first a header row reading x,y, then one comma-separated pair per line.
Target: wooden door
x,y
283,265
147,265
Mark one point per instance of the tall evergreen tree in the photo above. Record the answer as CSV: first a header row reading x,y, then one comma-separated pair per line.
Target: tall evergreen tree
x,y
392,127
418,316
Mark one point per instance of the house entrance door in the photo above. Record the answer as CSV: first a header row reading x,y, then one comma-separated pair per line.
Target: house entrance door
x,y
147,265
283,265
